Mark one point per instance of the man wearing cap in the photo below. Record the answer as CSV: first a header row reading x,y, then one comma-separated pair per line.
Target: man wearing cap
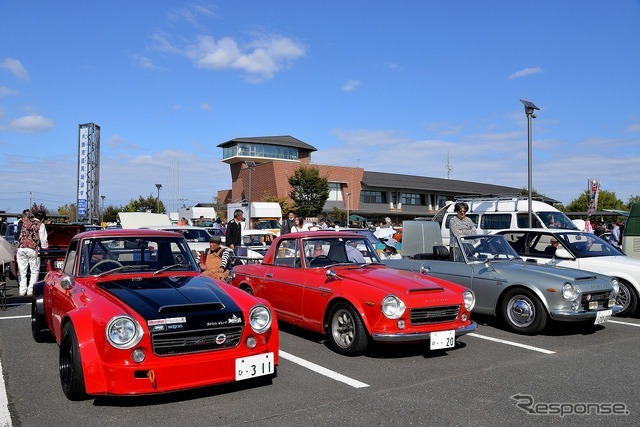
x,y
217,260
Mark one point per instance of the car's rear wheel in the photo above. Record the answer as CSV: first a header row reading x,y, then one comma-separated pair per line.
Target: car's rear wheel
x,y
627,298
71,376
523,312
39,330
247,289
346,332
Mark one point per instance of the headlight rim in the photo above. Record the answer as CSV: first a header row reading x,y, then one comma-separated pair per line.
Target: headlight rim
x,y
400,307
469,306
267,325
133,341
575,292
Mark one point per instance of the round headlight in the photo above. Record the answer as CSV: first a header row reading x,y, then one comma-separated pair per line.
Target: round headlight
x,y
260,319
569,292
616,286
392,307
469,300
123,332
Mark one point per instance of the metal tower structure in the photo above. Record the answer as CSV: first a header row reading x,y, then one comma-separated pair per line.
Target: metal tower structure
x,y
88,201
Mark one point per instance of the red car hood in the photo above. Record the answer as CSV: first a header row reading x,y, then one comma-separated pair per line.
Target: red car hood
x,y
394,281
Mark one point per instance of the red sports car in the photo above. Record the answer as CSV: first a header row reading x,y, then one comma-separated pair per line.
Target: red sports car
x,y
333,283
133,315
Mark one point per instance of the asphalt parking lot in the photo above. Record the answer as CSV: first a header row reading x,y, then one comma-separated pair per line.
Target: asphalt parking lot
x,y
577,375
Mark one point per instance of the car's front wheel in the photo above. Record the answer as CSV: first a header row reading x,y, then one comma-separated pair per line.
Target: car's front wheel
x,y
627,298
523,312
346,332
71,376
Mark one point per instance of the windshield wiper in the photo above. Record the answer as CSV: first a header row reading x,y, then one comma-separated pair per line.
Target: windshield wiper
x,y
123,268
169,267
370,264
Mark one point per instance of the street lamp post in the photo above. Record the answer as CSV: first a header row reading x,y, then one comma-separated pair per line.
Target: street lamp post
x,y
529,108
102,211
158,186
247,223
348,205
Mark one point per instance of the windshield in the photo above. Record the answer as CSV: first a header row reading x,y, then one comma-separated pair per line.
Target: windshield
x,y
556,220
102,256
586,245
490,246
325,251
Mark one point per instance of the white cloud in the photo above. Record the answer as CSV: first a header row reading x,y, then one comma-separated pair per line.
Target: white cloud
x,y
16,68
144,62
260,59
5,91
206,107
525,72
31,124
351,85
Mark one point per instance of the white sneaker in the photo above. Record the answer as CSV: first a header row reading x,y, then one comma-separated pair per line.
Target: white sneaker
x,y
22,293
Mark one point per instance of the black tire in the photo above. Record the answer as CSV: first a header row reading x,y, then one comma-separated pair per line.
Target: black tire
x,y
523,312
39,330
71,376
627,298
247,289
345,331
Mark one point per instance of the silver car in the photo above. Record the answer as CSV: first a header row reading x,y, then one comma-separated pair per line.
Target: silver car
x,y
524,295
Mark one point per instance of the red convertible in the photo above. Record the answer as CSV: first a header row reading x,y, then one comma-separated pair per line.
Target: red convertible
x,y
333,283
133,315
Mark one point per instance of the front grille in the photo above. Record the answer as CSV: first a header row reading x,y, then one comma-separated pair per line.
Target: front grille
x,y
185,342
601,297
423,316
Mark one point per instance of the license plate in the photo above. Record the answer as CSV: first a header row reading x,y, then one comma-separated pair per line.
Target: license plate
x,y
58,264
443,339
254,366
602,316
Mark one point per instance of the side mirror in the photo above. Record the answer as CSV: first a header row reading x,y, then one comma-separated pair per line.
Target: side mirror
x,y
563,253
66,283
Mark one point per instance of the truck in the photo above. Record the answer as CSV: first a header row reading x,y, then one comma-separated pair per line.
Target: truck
x,y
193,213
268,214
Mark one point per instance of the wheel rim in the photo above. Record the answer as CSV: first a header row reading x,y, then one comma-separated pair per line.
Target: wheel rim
x,y
66,362
521,311
343,328
623,297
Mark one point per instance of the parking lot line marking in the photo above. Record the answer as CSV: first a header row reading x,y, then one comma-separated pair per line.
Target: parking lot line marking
x,y
15,317
622,323
321,370
515,344
5,415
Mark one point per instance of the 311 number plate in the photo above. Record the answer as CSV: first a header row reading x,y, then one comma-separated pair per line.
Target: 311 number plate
x,y
254,366
442,339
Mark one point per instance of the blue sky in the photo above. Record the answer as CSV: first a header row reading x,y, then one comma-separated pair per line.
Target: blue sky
x,y
403,87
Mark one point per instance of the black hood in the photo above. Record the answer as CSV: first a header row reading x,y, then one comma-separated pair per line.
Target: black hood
x,y
177,303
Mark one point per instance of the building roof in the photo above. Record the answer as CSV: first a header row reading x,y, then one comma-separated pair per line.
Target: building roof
x,y
285,141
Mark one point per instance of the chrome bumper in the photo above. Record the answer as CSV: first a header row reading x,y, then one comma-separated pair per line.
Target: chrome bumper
x,y
572,316
419,336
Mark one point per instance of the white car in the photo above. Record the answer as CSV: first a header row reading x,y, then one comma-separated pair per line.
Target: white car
x,y
581,250
197,237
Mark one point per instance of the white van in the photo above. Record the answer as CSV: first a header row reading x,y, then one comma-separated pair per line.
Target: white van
x,y
490,214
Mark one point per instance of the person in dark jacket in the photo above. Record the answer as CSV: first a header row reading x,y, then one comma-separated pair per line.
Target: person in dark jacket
x,y
289,222
233,236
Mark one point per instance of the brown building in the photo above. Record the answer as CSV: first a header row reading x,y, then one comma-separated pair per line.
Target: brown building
x,y
261,166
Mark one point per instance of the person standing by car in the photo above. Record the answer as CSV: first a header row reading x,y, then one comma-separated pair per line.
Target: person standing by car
x,y
390,251
233,237
461,225
288,223
614,237
25,214
217,260
33,237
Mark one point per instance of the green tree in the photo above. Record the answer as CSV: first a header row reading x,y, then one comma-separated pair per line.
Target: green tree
x,y
110,213
606,200
633,200
309,191
69,210
148,204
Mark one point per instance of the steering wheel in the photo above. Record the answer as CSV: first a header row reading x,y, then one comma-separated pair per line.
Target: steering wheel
x,y
104,261
320,260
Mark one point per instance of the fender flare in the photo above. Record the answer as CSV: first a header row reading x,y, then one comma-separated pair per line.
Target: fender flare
x,y
95,381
